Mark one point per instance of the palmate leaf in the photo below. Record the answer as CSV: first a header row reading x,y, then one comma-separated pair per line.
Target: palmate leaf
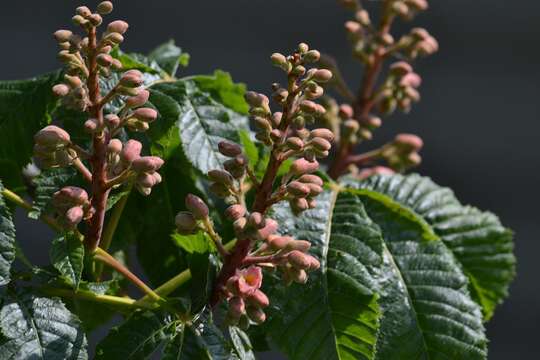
x,y
480,243
370,245
25,108
336,315
7,240
39,328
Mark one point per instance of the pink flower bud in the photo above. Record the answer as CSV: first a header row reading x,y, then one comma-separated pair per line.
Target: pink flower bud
x,y
298,189
185,222
409,142
115,146
374,122
147,180
52,136
138,100
276,118
298,205
401,68
322,75
256,315
105,7
256,220
95,19
258,298
314,190
235,212
116,64
91,125
311,179
299,260
321,144
237,307
229,149
279,60
308,106
60,90
277,242
312,56
197,207
256,100
132,150
62,35
299,276
74,216
112,121
83,11
132,79
314,264
377,170
147,164
353,28
105,60
270,228
118,26
419,5
411,79
302,166
239,225
345,112
222,177
146,114
300,245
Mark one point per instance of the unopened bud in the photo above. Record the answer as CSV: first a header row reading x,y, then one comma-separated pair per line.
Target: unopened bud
x,y
277,242
91,125
270,227
197,207
239,225
308,106
235,212
116,65
118,26
411,79
351,126
79,20
300,245
409,142
276,118
299,205
95,19
52,136
139,99
74,216
105,60
303,48
132,79
256,220
299,276
131,151
105,7
112,120
323,133
311,179
83,11
298,189
276,135
147,115
401,68
259,299
345,111
147,164
60,90
312,56
353,28
322,75
299,70
362,17
237,307
314,189
222,177
279,60
400,8
299,260
374,122
295,143
115,146
302,166
185,222
256,315
62,35
229,149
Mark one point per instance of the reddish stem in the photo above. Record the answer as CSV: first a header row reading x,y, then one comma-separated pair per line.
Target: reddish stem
x,y
365,101
100,193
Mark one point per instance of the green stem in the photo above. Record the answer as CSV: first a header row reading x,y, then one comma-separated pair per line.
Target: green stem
x,y
108,259
168,287
90,296
111,227
17,200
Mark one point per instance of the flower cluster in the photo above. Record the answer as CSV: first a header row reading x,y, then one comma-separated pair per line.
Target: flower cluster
x,y
373,44
87,61
258,243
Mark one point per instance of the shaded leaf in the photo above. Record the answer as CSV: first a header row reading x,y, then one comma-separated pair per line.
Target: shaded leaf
x,y
67,256
39,328
169,57
479,242
46,184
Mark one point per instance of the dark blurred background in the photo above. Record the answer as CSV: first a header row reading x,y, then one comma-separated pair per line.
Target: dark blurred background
x,y
479,116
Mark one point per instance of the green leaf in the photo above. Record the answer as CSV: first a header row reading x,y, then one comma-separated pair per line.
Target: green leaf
x,y
169,57
196,243
67,256
46,184
39,328
428,311
25,108
335,315
193,119
222,89
479,242
7,240
140,336
241,344
250,148
203,268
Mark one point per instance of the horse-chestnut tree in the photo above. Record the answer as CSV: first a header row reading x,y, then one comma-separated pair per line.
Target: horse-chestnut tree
x,y
257,223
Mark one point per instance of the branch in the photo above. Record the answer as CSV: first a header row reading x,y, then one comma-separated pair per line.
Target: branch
x,y
215,237
87,175
126,302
